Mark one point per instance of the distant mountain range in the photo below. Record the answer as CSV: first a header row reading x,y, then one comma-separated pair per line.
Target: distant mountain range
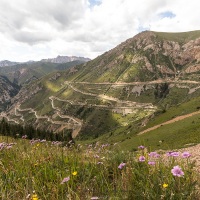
x,y
5,63
26,72
58,59
65,59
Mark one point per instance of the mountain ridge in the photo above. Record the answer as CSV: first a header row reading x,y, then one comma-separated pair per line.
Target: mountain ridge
x,y
58,59
120,91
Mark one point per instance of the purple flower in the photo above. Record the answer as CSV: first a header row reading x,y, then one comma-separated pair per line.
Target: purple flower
x,y
66,179
94,198
24,136
154,155
151,162
186,154
141,158
177,171
121,165
96,156
9,147
100,163
173,154
141,147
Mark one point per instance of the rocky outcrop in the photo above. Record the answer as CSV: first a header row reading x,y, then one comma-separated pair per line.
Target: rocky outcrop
x,y
7,91
6,63
65,59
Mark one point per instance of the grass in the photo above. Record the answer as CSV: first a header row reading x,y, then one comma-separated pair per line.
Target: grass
x,y
174,135
45,170
174,111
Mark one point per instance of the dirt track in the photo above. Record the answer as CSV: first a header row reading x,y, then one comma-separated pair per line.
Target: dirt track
x,y
179,118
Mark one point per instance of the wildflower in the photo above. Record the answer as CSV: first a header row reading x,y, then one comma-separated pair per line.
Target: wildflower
x,y
24,136
165,185
186,154
100,163
173,154
177,171
96,156
74,173
121,165
34,196
94,198
141,147
141,158
9,146
66,179
36,164
151,162
154,155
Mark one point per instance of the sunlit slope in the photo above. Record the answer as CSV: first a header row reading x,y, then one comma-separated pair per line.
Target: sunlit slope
x,y
119,92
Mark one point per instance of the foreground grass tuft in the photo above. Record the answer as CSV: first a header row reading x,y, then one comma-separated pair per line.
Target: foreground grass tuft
x,y
43,170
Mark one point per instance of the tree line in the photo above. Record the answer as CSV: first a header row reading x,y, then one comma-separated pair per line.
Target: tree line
x,y
18,131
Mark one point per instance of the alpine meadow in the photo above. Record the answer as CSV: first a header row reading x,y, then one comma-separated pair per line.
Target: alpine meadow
x,y
100,100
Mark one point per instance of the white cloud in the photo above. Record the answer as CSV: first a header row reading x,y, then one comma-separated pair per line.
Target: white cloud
x,y
39,29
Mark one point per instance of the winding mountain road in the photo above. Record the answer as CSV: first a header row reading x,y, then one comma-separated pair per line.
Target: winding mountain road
x,y
76,123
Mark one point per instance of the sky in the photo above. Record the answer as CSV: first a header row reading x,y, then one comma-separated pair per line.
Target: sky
x,y
37,29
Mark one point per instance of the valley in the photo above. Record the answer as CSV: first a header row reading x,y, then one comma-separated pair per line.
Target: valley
x,y
144,84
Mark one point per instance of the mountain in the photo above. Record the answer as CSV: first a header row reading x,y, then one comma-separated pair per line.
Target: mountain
x,y
143,82
5,63
65,59
24,73
147,56
7,91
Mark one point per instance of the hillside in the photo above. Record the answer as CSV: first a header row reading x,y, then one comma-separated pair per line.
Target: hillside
x,y
7,91
121,92
24,73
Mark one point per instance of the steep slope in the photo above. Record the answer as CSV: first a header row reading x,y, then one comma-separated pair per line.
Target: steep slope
x,y
147,56
7,91
118,92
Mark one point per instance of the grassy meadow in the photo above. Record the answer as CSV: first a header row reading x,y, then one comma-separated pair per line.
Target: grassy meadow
x,y
39,169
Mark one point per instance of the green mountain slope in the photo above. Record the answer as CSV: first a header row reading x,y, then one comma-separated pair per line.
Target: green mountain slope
x,y
26,72
120,93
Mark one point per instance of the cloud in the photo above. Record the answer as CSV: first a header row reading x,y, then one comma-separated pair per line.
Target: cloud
x,y
32,37
85,27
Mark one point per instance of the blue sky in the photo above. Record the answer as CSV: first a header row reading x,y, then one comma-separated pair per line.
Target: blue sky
x,y
167,14
32,31
94,2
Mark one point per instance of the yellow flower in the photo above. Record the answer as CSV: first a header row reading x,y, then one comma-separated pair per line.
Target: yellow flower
x,y
36,164
74,173
35,197
165,185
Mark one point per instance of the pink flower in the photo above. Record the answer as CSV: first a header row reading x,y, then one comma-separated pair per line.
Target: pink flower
x,y
141,147
121,165
66,179
141,158
186,154
154,155
177,171
151,162
173,154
